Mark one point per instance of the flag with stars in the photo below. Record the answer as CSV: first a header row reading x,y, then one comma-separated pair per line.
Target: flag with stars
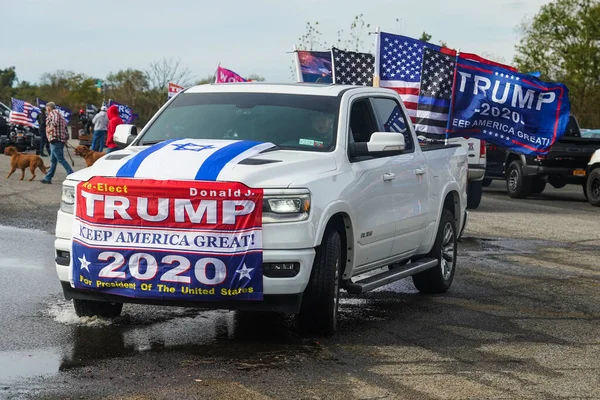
x,y
437,76
352,68
400,63
24,113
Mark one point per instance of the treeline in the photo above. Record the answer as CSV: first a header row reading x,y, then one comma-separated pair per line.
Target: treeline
x,y
145,91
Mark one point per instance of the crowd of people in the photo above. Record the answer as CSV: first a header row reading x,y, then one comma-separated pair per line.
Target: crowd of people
x,y
54,135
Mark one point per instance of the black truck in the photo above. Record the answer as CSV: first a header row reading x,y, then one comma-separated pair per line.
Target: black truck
x,y
565,163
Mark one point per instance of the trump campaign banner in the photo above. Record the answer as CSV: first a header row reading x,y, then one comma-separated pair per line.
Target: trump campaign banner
x,y
513,110
125,112
168,239
225,75
174,89
65,112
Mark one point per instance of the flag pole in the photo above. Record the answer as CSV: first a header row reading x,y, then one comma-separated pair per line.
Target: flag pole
x,y
217,72
298,69
332,66
452,97
377,55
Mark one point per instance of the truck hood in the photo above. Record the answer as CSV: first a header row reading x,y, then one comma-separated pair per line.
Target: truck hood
x,y
270,168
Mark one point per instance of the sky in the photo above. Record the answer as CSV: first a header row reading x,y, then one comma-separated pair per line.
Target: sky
x,y
248,37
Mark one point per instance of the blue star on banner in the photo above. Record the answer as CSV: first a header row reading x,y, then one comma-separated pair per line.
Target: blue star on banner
x,y
192,147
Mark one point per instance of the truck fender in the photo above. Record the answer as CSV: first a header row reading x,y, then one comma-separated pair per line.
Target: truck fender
x,y
459,206
338,207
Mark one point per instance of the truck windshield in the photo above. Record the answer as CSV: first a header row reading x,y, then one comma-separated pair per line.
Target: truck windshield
x,y
290,121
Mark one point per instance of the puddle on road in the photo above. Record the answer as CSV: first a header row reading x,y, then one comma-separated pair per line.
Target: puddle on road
x,y
15,365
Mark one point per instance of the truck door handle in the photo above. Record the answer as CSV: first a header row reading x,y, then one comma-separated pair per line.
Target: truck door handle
x,y
388,176
420,171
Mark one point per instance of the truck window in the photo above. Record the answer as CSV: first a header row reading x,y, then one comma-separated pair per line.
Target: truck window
x,y
392,119
290,121
362,124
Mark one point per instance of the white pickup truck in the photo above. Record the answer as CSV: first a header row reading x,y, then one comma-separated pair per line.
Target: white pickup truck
x,y
347,199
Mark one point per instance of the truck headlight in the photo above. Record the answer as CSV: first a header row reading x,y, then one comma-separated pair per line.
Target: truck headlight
x,y
292,208
67,199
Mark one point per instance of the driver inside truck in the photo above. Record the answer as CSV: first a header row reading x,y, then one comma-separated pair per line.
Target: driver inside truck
x,y
322,126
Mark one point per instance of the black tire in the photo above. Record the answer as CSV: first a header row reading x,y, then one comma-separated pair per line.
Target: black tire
x,y
487,182
592,188
517,184
439,279
320,302
89,308
474,192
537,185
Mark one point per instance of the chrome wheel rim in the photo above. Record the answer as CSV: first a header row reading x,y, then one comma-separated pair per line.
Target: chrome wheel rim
x,y
447,256
513,178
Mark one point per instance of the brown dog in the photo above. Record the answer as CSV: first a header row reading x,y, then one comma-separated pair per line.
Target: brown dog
x,y
88,155
23,161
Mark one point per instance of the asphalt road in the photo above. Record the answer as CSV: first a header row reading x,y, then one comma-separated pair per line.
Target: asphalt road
x,y
522,320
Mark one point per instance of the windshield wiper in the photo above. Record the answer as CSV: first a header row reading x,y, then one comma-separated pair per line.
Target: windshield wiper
x,y
151,142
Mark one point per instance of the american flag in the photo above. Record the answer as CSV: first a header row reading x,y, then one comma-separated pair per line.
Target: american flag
x,y
23,113
400,63
437,77
352,68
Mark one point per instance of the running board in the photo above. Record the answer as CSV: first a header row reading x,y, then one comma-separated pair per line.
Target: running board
x,y
384,278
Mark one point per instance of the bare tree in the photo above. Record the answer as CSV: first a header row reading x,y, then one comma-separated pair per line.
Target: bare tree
x,y
160,73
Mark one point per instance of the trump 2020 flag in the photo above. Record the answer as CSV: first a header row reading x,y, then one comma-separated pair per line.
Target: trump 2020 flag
x,y
352,68
513,110
225,75
125,112
65,112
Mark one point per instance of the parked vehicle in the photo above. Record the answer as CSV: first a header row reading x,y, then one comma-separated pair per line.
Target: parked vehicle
x,y
20,136
342,197
564,164
592,187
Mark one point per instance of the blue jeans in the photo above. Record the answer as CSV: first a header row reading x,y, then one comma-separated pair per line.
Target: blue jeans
x,y
98,140
57,156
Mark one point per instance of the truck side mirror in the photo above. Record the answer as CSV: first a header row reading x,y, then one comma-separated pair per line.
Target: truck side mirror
x,y
124,135
381,144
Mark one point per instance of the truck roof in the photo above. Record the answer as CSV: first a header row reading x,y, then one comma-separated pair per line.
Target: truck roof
x,y
285,88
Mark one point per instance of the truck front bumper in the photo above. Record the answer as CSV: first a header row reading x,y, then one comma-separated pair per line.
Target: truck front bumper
x,y
279,292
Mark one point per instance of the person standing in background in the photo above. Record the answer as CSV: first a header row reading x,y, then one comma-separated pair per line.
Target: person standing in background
x,y
114,120
42,130
100,122
56,132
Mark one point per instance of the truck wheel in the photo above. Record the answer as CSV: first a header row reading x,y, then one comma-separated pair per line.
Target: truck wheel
x,y
517,184
593,187
439,279
486,182
474,192
89,308
538,185
320,302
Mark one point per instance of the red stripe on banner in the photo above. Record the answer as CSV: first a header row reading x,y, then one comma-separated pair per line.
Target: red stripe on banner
x,y
557,108
475,57
448,51
487,71
528,146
